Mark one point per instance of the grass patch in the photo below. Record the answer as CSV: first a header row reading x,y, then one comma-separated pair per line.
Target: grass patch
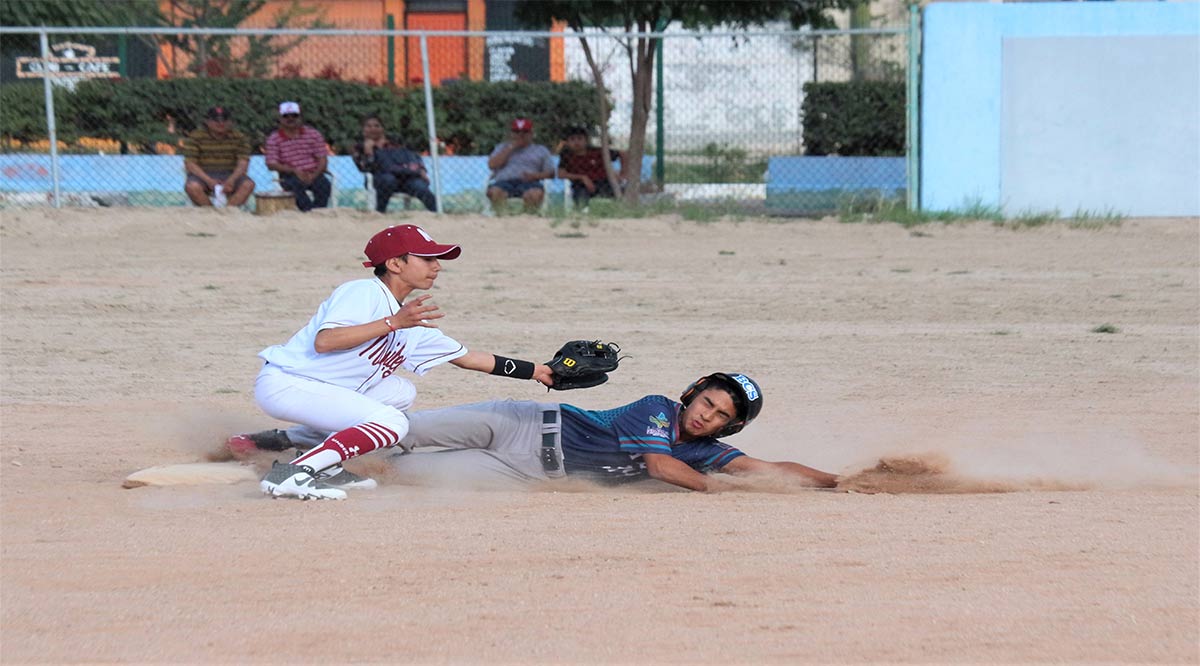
x,y
711,212
619,208
210,287
1106,328
1001,331
201,234
977,210
571,234
878,207
1085,219
726,253
1028,219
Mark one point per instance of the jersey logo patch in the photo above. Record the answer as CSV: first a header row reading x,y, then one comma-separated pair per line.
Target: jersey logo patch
x,y
660,420
382,354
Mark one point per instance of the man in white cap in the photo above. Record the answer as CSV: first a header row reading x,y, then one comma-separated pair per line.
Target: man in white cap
x,y
299,153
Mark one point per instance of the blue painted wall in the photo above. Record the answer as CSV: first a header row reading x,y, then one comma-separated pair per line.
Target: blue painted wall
x,y
962,146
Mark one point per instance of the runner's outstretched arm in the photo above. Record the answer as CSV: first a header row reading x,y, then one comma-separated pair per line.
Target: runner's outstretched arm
x,y
747,466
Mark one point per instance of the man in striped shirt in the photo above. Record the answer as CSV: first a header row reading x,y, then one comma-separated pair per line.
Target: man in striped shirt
x,y
298,152
216,157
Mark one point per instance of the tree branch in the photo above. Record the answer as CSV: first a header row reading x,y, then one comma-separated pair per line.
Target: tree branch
x,y
602,98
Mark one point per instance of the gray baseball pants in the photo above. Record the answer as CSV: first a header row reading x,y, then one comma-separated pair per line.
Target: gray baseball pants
x,y
495,442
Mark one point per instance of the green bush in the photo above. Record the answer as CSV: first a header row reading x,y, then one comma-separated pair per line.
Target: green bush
x,y
471,116
23,112
864,118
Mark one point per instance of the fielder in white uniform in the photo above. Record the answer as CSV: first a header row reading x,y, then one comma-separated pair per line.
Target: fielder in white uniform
x,y
339,373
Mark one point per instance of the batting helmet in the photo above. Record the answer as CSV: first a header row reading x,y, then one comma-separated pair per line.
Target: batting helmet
x,y
747,398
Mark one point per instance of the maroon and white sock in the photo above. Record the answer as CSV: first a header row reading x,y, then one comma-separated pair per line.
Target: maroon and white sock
x,y
349,443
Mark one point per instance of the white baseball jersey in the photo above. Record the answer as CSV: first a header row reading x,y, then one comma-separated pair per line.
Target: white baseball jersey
x,y
416,349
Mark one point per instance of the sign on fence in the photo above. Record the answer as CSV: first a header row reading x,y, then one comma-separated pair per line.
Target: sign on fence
x,y
69,60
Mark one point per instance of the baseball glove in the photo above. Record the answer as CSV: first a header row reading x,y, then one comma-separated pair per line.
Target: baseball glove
x,y
583,364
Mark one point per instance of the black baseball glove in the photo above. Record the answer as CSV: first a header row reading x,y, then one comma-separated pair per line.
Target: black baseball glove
x,y
583,364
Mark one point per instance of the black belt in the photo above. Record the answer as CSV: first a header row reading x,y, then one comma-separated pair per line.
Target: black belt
x,y
550,461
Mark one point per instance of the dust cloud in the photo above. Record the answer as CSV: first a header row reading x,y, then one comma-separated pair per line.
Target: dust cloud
x,y
1037,461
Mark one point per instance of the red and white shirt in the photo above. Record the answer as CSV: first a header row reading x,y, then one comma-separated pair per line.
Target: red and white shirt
x,y
300,152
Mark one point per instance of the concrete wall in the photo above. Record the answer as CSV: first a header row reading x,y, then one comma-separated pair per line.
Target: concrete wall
x,y
716,90
1067,106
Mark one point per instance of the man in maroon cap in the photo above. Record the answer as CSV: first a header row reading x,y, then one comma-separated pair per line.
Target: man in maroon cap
x,y
216,157
518,167
340,373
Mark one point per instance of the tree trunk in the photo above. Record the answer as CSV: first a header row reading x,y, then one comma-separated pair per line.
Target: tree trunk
x,y
643,88
602,100
860,45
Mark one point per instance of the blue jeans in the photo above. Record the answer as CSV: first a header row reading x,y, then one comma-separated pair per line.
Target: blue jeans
x,y
387,184
320,188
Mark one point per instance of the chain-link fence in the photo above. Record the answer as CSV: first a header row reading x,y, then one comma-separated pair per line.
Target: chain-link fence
x,y
783,121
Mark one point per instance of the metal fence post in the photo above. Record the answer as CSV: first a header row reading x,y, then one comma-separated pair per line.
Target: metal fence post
x,y
51,127
913,107
431,125
123,55
390,24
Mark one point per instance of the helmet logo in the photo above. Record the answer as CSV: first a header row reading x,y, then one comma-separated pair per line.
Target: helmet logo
x,y
747,386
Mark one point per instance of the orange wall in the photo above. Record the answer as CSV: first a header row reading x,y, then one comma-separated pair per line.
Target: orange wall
x,y
447,55
365,58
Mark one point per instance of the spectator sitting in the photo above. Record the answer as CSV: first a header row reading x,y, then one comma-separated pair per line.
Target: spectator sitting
x,y
583,165
216,157
298,152
518,167
394,167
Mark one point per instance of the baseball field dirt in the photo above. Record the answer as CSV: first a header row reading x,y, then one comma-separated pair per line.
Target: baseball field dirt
x,y
1015,413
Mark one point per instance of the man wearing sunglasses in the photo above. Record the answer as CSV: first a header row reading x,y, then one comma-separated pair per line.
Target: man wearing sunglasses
x,y
299,153
216,157
518,167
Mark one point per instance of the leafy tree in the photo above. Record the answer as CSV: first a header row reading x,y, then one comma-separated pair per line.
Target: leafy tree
x,y
213,55
644,16
208,55
63,13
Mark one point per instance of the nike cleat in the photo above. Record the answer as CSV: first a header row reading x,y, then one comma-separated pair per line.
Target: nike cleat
x,y
340,477
297,481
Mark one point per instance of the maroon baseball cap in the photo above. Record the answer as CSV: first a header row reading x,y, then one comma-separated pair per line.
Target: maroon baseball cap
x,y
522,125
405,239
